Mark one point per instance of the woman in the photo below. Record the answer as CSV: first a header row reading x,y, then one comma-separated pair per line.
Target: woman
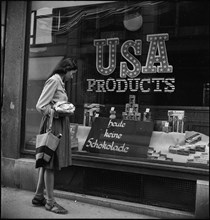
x,y
53,92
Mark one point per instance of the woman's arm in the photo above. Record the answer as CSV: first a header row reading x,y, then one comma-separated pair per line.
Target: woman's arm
x,y
45,100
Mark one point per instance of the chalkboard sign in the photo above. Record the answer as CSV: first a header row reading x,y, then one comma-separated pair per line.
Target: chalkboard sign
x,y
119,137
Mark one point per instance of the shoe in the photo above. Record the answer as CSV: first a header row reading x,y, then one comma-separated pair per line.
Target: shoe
x,y
39,202
55,208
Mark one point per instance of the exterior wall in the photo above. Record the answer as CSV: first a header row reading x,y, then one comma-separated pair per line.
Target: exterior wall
x,y
13,79
19,173
202,200
15,171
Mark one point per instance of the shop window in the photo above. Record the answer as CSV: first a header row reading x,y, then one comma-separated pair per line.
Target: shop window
x,y
147,49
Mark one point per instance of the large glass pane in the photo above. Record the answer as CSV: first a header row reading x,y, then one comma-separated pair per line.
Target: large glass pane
x,y
157,51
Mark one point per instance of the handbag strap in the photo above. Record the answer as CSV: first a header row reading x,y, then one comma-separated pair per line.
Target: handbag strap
x,y
50,120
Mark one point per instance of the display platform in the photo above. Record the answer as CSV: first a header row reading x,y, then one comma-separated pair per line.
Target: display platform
x,y
160,143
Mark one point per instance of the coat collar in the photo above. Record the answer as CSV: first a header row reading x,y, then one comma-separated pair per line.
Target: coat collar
x,y
57,76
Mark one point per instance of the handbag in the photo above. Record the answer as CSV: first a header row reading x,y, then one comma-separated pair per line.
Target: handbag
x,y
46,144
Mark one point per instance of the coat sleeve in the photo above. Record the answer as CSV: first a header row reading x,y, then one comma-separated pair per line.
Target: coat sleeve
x,y
45,100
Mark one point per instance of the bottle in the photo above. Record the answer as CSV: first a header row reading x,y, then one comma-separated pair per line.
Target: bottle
x,y
59,136
206,94
147,115
87,118
112,113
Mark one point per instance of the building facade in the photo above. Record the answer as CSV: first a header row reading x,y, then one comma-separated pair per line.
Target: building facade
x,y
141,90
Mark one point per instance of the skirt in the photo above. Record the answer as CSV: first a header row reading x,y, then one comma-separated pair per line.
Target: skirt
x,y
63,155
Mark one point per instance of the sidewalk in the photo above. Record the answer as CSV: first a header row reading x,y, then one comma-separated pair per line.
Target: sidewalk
x,y
16,203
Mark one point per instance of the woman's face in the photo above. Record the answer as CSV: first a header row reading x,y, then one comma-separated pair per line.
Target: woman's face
x,y
69,75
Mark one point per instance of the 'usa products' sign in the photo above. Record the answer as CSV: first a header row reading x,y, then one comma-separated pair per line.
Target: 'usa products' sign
x,y
157,62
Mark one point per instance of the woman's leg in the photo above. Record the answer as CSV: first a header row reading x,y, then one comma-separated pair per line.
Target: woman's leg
x,y
49,185
40,184
51,205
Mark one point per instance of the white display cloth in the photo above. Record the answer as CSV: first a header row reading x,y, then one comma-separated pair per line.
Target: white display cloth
x,y
161,141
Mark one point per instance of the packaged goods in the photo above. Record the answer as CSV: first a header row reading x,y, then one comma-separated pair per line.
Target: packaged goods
x,y
176,120
193,138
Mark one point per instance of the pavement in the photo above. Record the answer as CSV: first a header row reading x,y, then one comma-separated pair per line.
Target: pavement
x,y
16,204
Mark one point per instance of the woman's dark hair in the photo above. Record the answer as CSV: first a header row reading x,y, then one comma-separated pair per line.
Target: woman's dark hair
x,y
65,65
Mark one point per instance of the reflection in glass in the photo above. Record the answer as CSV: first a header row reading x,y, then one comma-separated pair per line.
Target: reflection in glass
x,y
70,31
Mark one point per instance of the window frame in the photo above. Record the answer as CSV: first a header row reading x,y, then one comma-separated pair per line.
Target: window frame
x,y
76,157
